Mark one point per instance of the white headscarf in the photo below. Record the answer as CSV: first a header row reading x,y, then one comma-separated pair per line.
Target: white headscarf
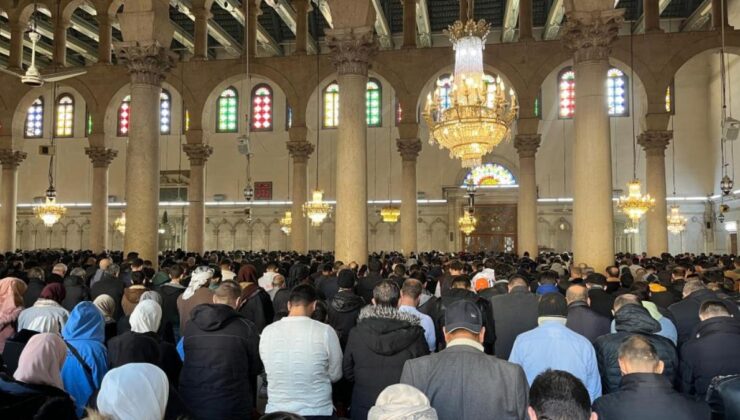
x,y
146,317
200,276
402,402
134,391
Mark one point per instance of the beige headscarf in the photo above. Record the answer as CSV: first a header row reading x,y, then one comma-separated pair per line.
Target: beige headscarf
x,y
41,361
402,402
106,305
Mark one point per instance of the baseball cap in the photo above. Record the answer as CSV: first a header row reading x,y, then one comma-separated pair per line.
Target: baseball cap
x,y
463,314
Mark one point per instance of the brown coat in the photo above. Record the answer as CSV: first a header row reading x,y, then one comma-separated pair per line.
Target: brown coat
x,y
131,297
185,307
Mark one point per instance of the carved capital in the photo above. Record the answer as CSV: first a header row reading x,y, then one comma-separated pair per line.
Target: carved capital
x,y
351,49
100,156
527,144
409,149
146,63
11,159
197,153
655,141
590,34
300,150
202,14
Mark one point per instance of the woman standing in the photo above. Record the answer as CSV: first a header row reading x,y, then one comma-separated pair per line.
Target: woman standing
x,y
11,305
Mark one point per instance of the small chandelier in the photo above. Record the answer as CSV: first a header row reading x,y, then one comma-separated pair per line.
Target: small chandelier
x,y
635,205
286,223
473,120
50,211
632,227
726,185
676,221
467,223
120,223
390,214
316,209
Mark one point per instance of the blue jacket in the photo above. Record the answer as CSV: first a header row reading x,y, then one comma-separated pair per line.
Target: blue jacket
x,y
85,330
552,345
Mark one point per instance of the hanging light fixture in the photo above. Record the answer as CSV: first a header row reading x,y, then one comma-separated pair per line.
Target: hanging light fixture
x,y
467,222
390,213
634,205
50,212
727,183
473,122
286,222
633,227
120,223
676,221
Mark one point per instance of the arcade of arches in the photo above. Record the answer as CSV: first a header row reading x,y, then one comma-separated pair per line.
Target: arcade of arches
x,y
152,129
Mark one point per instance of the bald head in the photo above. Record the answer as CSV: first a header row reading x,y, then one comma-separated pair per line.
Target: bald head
x,y
576,293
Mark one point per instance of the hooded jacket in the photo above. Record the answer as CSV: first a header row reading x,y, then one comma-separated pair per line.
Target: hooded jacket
x,y
131,297
170,292
256,306
76,292
112,287
218,376
377,348
19,400
632,320
712,351
85,331
343,312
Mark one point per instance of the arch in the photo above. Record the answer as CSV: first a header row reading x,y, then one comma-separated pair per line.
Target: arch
x,y
69,8
64,114
494,159
18,123
261,108
490,175
114,125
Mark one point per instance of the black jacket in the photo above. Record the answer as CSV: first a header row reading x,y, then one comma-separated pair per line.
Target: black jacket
x,y
723,397
327,287
170,292
712,351
112,287
257,307
131,347
21,401
649,396
513,314
383,340
75,292
218,377
663,299
454,295
586,321
343,312
366,285
686,312
280,304
601,302
35,286
632,320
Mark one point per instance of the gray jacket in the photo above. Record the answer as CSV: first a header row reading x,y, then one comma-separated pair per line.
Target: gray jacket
x,y
485,387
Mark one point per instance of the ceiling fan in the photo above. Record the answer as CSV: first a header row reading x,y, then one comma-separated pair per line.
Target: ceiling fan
x,y
32,76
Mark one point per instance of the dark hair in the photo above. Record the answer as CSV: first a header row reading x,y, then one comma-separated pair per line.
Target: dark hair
x,y
714,307
302,295
138,277
327,268
281,415
638,348
549,277
386,293
558,395
412,288
456,265
137,262
461,280
321,313
374,266
419,275
176,271
399,270
228,289
596,278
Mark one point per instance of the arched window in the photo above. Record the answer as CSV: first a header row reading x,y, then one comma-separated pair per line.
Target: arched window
x,y
443,90
331,106
35,119
616,93
288,116
374,101
670,99
124,117
567,93
399,112
165,112
65,116
227,109
262,108
490,175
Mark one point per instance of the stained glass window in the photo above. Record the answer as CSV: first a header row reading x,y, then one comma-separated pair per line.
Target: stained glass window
x,y
567,93
331,106
670,99
288,116
490,175
165,112
262,108
35,119
227,108
443,90
88,123
616,93
65,116
538,105
399,112
373,100
186,121
124,117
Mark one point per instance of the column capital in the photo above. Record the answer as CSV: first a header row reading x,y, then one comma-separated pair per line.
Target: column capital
x,y
590,34
527,144
409,149
202,13
11,159
147,63
351,49
300,150
655,141
100,156
197,153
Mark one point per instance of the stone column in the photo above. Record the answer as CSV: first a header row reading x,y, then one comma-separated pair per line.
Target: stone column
x,y
651,13
299,150
301,26
198,155
409,149
101,159
201,33
105,30
409,24
525,20
147,65
351,50
60,41
526,145
655,142
15,59
10,160
589,36
250,32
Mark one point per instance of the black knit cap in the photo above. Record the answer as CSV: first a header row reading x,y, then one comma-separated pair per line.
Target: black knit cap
x,y
552,304
346,279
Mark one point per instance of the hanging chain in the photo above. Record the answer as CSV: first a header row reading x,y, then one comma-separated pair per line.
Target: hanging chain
x,y
632,95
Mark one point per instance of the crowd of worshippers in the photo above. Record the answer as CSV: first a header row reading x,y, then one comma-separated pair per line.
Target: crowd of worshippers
x,y
278,335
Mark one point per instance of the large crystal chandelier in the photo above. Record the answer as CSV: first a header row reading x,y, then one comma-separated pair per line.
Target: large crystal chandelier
x,y
676,221
286,223
476,119
467,223
635,205
50,211
120,223
390,214
317,210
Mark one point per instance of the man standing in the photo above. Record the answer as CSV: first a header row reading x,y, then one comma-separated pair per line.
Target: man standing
x,y
581,318
410,297
553,346
686,312
513,314
601,301
302,359
444,284
112,286
345,307
367,284
497,389
219,374
36,283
